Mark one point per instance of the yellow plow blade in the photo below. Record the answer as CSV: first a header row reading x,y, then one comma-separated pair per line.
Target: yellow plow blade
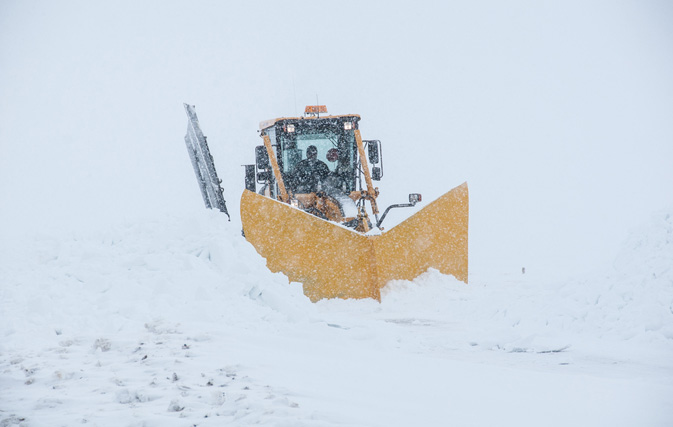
x,y
335,262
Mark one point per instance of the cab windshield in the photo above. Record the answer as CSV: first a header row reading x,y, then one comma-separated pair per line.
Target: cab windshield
x,y
335,148
295,149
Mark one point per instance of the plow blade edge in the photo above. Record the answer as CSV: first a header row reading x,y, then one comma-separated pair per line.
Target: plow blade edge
x,y
332,261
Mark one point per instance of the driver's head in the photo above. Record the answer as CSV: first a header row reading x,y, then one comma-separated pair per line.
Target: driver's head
x,y
311,152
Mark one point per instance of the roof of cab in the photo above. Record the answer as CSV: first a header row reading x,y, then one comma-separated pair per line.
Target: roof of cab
x,y
268,123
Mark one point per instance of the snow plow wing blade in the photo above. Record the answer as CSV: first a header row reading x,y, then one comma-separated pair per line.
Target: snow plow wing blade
x,y
332,261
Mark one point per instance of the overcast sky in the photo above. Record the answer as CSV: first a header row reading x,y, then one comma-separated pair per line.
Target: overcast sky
x,y
559,116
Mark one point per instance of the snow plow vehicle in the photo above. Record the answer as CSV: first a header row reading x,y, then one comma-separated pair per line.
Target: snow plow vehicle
x,y
310,209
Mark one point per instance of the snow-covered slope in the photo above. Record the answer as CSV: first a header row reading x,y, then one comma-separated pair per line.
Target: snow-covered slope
x,y
176,321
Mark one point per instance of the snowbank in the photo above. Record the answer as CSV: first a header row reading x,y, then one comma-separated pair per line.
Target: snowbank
x,y
177,320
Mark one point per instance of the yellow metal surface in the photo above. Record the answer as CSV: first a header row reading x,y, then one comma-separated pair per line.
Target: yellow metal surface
x,y
330,261
434,237
276,170
335,262
365,168
324,204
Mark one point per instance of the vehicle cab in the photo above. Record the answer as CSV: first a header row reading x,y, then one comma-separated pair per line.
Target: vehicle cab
x,y
291,137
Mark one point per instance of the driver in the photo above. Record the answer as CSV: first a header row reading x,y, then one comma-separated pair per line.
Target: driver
x,y
310,172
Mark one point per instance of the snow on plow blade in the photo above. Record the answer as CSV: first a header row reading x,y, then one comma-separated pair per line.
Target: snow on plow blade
x,y
335,262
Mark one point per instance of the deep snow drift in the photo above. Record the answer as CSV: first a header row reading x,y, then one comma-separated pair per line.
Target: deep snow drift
x,y
177,321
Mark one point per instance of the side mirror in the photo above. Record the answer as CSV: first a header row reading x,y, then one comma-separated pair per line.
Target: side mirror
x,y
376,173
373,148
262,157
250,178
414,198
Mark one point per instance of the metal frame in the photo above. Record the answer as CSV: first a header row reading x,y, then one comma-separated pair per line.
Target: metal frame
x,y
202,161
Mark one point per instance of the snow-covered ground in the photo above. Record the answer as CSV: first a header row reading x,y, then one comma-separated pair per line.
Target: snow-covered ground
x,y
176,321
